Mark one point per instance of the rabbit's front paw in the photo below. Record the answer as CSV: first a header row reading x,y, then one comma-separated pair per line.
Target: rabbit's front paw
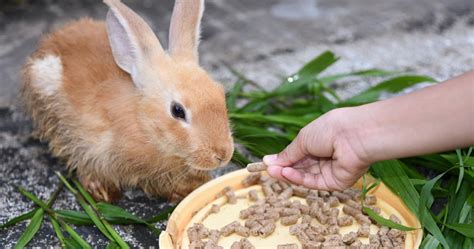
x,y
101,192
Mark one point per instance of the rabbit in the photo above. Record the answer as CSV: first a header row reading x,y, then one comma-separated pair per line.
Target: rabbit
x,y
121,111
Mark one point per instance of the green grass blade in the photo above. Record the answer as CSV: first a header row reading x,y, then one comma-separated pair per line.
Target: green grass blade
x,y
31,229
112,245
426,198
72,244
468,243
19,218
462,228
113,212
466,209
386,222
75,217
59,233
76,237
161,216
233,95
393,85
317,65
461,169
273,119
429,242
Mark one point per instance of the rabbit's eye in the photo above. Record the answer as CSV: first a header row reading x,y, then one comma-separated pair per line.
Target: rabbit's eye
x,y
177,110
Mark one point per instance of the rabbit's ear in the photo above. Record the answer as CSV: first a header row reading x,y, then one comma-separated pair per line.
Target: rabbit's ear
x,y
185,28
134,45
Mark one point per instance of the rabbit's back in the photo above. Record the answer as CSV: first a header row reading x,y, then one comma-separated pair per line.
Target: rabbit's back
x,y
83,51
68,83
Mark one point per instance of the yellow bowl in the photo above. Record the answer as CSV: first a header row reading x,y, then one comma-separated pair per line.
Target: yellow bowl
x,y
207,193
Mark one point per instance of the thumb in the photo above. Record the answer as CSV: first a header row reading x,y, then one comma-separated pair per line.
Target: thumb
x,y
293,153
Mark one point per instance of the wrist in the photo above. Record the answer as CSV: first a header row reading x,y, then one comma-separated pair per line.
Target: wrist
x,y
356,130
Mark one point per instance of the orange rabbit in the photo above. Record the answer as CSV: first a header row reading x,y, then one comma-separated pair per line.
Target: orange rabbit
x,y
123,112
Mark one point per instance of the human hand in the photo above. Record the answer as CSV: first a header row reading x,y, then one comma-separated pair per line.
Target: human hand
x,y
325,155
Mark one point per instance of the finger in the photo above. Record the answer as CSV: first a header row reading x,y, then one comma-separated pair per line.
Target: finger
x,y
293,153
275,172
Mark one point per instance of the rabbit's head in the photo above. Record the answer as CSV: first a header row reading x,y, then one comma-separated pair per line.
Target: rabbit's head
x,y
181,109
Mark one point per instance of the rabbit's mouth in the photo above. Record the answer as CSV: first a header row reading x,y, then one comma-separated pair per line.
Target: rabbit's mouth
x,y
203,168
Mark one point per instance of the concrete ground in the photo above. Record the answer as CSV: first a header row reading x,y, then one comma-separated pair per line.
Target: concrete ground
x,y
263,39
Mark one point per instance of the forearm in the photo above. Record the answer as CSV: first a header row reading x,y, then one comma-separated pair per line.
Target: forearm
x,y
433,119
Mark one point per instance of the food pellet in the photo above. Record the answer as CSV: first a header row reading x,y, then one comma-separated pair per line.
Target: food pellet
x,y
353,204
383,230
314,235
289,220
242,231
394,233
267,190
385,241
374,240
349,238
306,219
341,196
236,245
276,187
344,221
300,191
229,228
332,220
287,246
267,230
333,201
304,209
246,244
284,185
350,211
295,229
252,179
364,230
290,211
356,244
333,229
212,245
253,196
370,200
256,167
395,219
230,195
197,244
214,235
311,245
285,194
215,209
361,218
321,217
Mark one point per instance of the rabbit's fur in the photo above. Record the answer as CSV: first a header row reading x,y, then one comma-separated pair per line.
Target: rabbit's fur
x,y
102,94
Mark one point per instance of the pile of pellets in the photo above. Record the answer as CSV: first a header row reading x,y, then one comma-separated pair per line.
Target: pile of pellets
x,y
260,219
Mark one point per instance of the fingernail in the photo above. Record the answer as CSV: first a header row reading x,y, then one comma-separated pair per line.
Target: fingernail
x,y
270,159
